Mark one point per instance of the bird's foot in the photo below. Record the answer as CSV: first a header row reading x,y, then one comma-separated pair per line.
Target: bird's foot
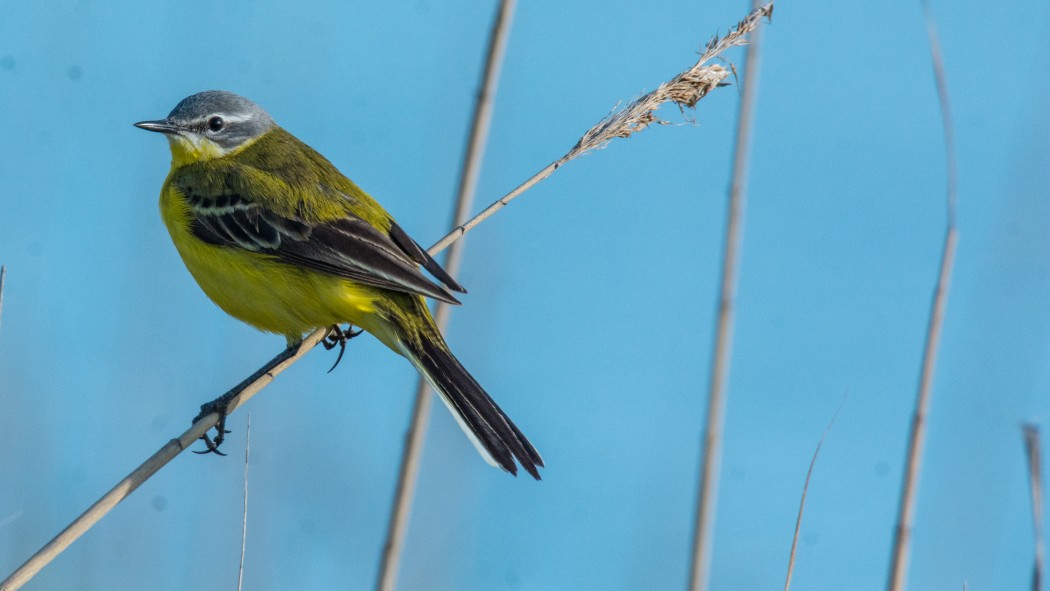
x,y
337,337
220,406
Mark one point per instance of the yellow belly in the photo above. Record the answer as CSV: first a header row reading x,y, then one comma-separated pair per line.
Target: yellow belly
x,y
263,292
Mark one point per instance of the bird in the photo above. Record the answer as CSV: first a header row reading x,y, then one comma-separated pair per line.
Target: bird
x,y
277,237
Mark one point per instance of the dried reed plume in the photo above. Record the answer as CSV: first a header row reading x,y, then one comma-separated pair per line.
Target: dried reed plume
x,y
685,90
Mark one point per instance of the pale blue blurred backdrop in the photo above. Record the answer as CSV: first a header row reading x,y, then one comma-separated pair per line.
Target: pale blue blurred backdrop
x,y
590,313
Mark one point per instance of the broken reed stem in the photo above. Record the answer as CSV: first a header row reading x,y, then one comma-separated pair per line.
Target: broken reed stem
x,y
1035,483
685,90
711,453
802,503
244,513
408,472
917,437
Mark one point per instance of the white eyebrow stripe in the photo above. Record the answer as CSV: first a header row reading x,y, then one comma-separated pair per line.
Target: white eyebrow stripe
x,y
234,118
241,118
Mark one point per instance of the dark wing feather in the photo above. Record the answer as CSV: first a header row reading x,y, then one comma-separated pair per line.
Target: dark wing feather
x,y
348,247
416,252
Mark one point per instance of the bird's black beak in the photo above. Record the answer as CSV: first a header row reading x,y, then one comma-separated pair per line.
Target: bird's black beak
x,y
160,125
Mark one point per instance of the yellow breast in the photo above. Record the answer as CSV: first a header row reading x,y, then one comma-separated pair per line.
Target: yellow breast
x,y
259,289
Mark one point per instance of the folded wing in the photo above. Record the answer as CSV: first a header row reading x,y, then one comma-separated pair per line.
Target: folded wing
x,y
346,247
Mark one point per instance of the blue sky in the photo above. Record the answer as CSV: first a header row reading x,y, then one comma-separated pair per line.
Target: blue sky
x,y
591,306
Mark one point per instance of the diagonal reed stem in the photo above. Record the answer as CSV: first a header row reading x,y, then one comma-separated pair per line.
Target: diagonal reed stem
x,y
408,472
246,389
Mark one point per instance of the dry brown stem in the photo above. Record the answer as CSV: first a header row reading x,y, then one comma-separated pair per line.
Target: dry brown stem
x,y
245,390
917,436
1033,456
408,472
244,512
802,503
706,78
3,276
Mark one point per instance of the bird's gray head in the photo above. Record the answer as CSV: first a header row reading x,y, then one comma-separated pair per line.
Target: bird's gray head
x,y
211,124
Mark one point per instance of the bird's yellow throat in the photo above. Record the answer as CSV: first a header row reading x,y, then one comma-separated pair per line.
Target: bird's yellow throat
x,y
188,149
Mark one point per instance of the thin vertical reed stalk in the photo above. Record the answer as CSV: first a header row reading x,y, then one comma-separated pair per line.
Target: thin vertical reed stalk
x,y
1033,455
917,436
416,437
244,512
711,454
3,277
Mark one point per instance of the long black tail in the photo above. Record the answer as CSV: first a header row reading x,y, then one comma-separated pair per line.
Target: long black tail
x,y
491,431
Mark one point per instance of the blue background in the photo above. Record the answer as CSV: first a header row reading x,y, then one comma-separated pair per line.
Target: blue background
x,y
591,307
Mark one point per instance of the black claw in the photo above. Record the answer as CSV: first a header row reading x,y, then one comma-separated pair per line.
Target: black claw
x,y
338,337
339,358
213,446
219,406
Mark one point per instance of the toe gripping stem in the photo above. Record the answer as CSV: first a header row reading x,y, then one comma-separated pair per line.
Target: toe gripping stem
x,y
221,405
337,337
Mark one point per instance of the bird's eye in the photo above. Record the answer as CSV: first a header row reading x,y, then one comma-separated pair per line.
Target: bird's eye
x,y
215,124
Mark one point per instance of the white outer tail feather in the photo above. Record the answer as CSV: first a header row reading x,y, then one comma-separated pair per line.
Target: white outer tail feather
x,y
408,354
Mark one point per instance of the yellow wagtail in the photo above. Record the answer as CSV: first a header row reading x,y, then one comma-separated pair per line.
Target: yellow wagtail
x,y
277,237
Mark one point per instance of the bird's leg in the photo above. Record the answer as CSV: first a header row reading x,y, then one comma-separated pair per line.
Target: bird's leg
x,y
221,405
337,337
